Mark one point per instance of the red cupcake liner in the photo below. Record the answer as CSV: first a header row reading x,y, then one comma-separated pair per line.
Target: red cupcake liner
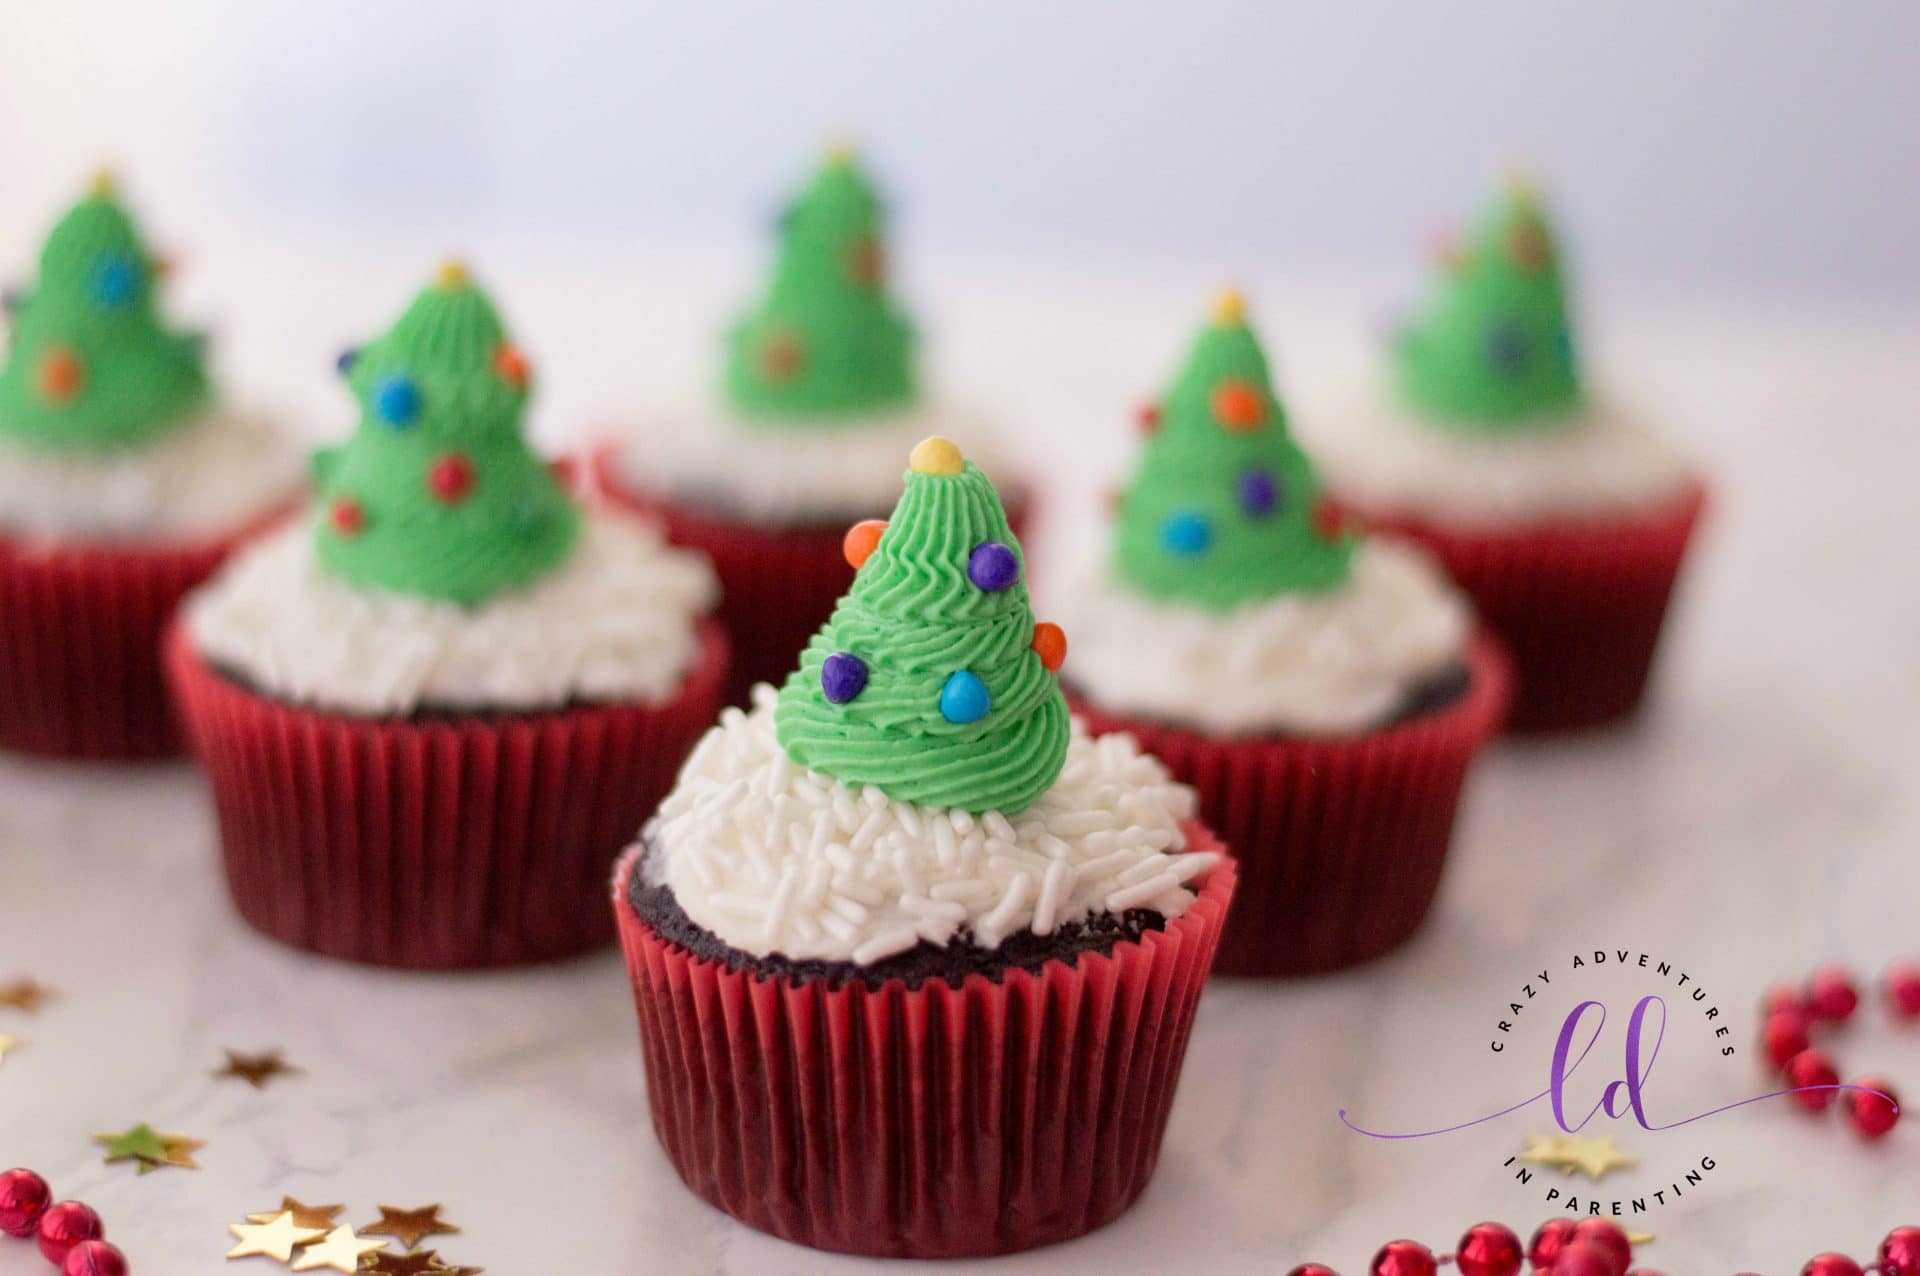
x,y
80,633
435,843
1579,606
778,584
1340,842
922,1123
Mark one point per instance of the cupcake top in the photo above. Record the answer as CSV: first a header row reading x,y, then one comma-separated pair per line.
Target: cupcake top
x,y
108,423
1488,420
917,779
1234,599
446,567
820,396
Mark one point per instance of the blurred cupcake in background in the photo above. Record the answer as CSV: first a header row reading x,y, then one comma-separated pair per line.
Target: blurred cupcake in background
x,y
125,478
433,713
1561,512
1324,692
820,398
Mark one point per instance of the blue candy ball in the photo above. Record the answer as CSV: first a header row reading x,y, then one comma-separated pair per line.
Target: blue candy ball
x,y
992,566
397,400
965,698
344,361
1258,493
116,281
1186,534
843,676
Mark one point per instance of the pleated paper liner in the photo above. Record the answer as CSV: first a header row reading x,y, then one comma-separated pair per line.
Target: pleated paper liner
x,y
778,584
1340,843
922,1123
446,842
80,632
1579,606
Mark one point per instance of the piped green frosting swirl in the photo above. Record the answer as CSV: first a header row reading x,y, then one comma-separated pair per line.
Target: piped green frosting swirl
x,y
913,620
826,341
90,365
1494,351
437,493
1223,508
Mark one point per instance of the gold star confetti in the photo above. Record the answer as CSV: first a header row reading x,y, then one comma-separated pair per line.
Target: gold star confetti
x,y
341,1251
180,1150
461,1271
256,1069
410,1227
1544,1149
1640,1238
1596,1158
150,1150
417,1263
322,1217
275,1238
9,1044
26,994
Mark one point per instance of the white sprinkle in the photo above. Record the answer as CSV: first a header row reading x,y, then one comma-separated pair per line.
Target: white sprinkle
x,y
1053,892
966,889
943,910
869,831
1079,823
1001,919
854,888
962,821
845,811
909,819
946,846
885,944
1133,896
998,825
852,910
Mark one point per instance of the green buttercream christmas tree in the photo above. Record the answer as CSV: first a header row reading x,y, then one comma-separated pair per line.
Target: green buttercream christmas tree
x,y
931,680
1493,351
89,365
826,342
437,494
1224,509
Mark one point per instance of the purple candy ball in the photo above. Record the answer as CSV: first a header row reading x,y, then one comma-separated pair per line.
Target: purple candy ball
x,y
992,566
843,676
1259,494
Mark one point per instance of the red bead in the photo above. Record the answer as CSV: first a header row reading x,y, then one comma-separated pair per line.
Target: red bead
x,y
348,517
1784,1037
95,1258
1488,1249
1900,1252
1553,1236
1832,994
511,366
861,540
1783,997
1872,1115
451,478
1903,989
1237,405
23,1199
867,262
1050,644
62,374
1607,1237
1811,1067
66,1225
1149,417
1312,1269
782,357
1583,1258
1329,520
1830,1265
1404,1258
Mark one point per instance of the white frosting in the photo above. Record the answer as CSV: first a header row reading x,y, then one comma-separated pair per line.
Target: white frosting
x,y
615,622
776,859
1333,663
1604,462
787,474
211,476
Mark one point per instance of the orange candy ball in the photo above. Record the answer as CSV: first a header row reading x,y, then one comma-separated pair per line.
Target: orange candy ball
x,y
781,358
61,374
512,367
1237,405
1050,644
348,517
861,540
866,263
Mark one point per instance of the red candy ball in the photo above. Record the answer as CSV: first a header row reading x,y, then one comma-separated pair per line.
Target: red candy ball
x,y
451,478
1812,1068
1312,1269
1553,1236
23,1199
1900,1252
1832,994
1872,1115
1583,1259
348,516
861,540
95,1258
1404,1258
62,375
1830,1265
1784,1037
1488,1249
1903,990
65,1226
1607,1237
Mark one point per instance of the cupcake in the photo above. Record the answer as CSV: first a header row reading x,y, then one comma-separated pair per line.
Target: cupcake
x,y
915,957
125,479
433,712
1324,692
1562,514
820,399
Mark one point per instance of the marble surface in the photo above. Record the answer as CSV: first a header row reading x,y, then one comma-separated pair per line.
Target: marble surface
x,y
1759,819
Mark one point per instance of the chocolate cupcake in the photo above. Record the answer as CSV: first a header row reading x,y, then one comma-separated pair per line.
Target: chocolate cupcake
x,y
1323,691
432,713
908,891
125,478
1560,511
820,398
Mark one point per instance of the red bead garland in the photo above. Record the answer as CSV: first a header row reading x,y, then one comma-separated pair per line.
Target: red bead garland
x,y
1831,1265
1868,1107
1404,1258
1830,998
1831,994
1903,990
1607,1238
64,1226
1809,1072
1552,1237
69,1234
95,1258
1488,1249
1899,1253
24,1197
